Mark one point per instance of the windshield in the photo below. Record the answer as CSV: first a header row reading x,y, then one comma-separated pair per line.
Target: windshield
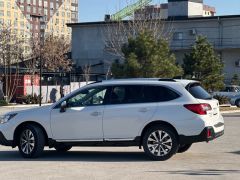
x,y
197,91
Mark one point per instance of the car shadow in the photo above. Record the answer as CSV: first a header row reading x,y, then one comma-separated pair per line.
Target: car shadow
x,y
235,152
204,172
89,156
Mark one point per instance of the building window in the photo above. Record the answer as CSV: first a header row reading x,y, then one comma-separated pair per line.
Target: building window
x,y
1,12
51,5
1,4
178,36
45,12
34,10
9,5
28,9
45,4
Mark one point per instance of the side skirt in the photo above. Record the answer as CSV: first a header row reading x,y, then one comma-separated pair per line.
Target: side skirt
x,y
104,143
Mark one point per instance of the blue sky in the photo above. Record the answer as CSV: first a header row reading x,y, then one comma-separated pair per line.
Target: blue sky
x,y
94,10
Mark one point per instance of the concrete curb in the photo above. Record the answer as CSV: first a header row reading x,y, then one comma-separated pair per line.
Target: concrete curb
x,y
229,112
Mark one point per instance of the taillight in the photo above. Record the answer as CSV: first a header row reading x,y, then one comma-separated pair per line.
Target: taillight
x,y
200,109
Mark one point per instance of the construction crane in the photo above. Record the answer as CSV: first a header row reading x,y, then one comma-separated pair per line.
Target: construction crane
x,y
129,10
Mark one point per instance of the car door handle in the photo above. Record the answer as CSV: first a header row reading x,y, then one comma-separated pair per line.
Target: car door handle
x,y
96,113
143,110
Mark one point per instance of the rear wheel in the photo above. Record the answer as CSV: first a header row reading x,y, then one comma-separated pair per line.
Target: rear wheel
x,y
184,147
62,148
160,143
31,141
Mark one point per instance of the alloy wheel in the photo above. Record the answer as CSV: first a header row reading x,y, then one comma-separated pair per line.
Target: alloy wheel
x,y
159,143
27,141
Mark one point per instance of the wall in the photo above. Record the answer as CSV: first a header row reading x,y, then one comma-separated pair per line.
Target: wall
x,y
52,93
195,9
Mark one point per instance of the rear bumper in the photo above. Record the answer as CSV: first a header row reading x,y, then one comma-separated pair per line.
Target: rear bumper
x,y
4,141
206,135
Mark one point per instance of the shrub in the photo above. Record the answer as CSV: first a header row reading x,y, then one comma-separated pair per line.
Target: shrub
x,y
222,99
29,99
3,103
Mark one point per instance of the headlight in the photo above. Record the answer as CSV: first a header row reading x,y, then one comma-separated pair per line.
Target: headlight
x,y
6,118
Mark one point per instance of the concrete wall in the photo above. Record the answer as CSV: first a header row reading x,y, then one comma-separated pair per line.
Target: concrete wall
x,y
195,9
52,93
178,8
185,8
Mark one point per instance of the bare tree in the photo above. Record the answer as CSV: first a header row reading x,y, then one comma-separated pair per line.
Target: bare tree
x,y
86,72
11,53
117,33
32,62
54,54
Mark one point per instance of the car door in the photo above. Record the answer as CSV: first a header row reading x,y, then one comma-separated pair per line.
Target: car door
x,y
82,119
126,112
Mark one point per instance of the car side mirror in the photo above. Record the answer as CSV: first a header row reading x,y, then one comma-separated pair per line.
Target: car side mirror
x,y
63,107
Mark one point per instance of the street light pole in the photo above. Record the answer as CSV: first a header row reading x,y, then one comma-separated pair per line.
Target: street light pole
x,y
40,82
41,39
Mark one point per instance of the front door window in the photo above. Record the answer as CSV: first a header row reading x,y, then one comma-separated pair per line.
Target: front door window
x,y
88,97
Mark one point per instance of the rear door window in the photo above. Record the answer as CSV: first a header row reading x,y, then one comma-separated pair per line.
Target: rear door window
x,y
197,91
158,94
126,94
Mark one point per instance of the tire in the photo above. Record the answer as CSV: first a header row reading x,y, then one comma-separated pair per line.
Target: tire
x,y
237,103
31,141
184,147
160,149
62,148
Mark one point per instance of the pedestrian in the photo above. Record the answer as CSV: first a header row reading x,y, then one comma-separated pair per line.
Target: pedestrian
x,y
1,89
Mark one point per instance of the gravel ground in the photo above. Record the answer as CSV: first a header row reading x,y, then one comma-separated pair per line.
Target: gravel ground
x,y
219,160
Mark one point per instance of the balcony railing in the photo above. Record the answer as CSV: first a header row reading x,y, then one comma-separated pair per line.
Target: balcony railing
x,y
223,43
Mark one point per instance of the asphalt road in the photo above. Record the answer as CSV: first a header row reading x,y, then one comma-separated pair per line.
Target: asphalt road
x,y
219,159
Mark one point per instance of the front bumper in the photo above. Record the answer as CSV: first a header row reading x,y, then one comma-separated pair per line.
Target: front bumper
x,y
4,141
208,134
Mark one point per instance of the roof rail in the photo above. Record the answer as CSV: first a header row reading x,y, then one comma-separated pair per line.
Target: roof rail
x,y
142,79
171,80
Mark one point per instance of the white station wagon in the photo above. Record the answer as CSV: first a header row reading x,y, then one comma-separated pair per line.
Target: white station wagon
x,y
164,116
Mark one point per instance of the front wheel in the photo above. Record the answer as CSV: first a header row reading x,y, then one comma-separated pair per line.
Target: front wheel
x,y
31,141
160,143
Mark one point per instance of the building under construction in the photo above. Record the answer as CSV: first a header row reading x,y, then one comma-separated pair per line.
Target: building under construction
x,y
142,10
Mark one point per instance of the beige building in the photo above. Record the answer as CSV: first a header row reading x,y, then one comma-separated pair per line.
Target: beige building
x,y
36,18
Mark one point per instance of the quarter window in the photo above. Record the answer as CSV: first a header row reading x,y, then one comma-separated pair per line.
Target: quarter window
x,y
158,94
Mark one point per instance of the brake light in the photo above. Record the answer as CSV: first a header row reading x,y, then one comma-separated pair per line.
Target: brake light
x,y
200,109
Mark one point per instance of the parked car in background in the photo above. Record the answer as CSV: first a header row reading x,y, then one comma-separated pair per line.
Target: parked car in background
x,y
232,92
163,116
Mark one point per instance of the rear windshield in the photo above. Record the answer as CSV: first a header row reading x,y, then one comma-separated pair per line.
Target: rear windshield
x,y
197,91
